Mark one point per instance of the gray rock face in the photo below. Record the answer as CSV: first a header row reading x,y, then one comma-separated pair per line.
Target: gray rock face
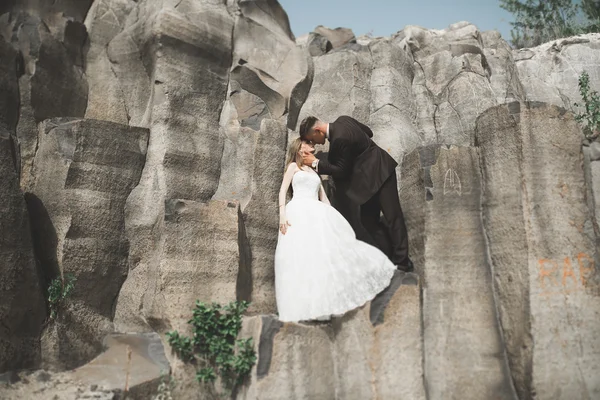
x,y
84,171
52,82
22,309
501,151
338,36
9,75
348,358
549,73
269,81
558,283
462,338
105,20
150,140
131,363
393,108
318,45
451,83
189,81
196,237
349,93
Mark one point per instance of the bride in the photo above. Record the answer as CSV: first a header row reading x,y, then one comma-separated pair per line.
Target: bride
x,y
321,269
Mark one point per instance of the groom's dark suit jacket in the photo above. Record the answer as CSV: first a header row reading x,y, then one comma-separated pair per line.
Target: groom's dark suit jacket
x,y
359,167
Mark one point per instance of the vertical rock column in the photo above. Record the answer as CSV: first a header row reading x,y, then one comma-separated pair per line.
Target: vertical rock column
x,y
22,309
83,171
185,55
463,350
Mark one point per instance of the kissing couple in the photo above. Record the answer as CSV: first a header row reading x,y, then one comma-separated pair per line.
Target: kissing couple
x,y
331,260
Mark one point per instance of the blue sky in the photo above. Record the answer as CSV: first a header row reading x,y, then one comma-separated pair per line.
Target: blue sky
x,y
385,17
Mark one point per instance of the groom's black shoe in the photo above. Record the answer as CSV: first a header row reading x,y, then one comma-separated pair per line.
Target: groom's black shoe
x,y
409,267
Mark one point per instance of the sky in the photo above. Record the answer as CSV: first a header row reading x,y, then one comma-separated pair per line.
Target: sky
x,y
385,17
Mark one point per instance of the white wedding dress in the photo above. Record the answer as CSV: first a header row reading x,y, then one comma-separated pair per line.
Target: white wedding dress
x,y
321,269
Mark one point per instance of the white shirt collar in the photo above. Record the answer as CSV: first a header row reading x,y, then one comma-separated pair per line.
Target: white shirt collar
x,y
327,134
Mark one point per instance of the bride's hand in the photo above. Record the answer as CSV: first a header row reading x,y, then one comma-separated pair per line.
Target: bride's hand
x,y
283,226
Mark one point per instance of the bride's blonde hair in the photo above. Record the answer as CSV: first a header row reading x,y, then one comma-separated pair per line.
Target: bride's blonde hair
x,y
293,154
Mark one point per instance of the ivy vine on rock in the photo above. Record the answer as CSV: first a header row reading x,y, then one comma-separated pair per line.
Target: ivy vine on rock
x,y
215,346
58,292
590,117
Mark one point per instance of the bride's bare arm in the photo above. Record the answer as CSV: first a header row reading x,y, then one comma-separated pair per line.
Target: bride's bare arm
x,y
285,185
323,196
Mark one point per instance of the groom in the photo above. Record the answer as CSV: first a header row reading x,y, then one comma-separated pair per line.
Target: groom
x,y
365,180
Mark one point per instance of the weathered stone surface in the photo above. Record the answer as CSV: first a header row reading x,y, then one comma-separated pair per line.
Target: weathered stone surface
x,y
504,78
550,72
538,215
561,251
105,20
217,83
462,340
318,45
452,81
135,362
270,79
393,107
52,82
595,151
129,359
253,164
204,256
301,365
84,171
498,138
347,358
268,62
203,252
10,70
22,309
338,36
593,180
261,221
185,148
347,94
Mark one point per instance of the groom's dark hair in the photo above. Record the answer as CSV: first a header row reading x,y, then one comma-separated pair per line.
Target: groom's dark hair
x,y
307,124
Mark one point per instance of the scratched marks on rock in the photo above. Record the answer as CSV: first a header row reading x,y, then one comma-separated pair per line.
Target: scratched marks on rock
x,y
452,182
568,275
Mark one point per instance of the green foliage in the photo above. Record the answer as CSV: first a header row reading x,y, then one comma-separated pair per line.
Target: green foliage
x,y
590,117
58,292
164,388
215,344
540,21
591,9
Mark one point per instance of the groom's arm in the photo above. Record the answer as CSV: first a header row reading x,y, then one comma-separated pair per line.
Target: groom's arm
x,y
339,166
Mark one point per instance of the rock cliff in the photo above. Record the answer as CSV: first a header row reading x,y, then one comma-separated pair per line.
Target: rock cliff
x,y
142,146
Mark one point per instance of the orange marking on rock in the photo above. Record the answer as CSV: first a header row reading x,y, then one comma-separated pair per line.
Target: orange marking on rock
x,y
547,273
583,271
568,271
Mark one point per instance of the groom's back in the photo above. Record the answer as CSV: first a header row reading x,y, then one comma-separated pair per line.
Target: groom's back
x,y
357,134
371,164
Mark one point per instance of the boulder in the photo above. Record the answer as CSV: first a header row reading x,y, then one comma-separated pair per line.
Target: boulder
x,y
338,36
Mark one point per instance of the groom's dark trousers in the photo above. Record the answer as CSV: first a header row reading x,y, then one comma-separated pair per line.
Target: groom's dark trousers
x,y
366,184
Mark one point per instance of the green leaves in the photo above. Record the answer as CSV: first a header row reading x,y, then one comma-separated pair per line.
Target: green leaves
x,y
590,117
539,21
206,375
214,342
182,345
58,291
